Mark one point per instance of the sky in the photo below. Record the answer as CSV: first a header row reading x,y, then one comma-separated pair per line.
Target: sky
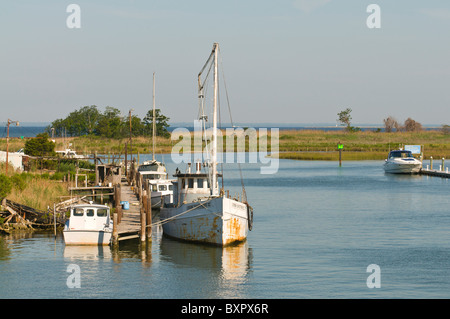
x,y
284,61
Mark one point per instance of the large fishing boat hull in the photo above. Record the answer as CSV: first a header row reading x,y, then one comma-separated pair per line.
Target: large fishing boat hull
x,y
220,221
87,237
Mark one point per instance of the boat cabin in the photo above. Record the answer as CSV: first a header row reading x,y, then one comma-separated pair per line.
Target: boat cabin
x,y
190,187
89,217
400,154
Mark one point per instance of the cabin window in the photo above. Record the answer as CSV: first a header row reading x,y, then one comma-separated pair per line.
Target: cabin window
x,y
170,187
162,187
102,212
90,213
154,189
200,183
78,212
191,183
183,183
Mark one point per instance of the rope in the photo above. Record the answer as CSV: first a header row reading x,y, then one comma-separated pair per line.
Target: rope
x,y
178,215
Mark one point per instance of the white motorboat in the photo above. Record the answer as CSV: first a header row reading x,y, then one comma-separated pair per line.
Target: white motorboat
x,y
154,173
402,162
200,212
160,187
89,224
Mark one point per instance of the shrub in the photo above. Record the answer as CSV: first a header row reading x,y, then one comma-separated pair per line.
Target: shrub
x,y
5,186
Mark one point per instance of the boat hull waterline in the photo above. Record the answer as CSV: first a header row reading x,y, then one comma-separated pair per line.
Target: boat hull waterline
x,y
87,237
402,168
219,221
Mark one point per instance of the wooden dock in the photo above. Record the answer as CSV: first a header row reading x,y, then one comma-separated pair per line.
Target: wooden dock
x,y
134,222
437,173
129,226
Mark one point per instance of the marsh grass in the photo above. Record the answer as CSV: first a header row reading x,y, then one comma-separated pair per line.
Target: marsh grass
x,y
36,191
436,143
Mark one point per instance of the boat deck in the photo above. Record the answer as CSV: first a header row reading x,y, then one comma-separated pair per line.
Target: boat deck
x,y
130,224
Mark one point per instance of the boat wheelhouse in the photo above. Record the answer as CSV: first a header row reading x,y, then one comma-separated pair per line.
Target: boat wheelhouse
x,y
89,224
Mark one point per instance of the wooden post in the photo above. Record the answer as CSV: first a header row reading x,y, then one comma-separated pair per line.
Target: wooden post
x,y
115,228
340,153
149,211
96,168
143,223
117,204
431,163
54,216
443,160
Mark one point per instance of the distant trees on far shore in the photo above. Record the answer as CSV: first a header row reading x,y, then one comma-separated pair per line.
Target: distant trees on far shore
x,y
410,125
88,120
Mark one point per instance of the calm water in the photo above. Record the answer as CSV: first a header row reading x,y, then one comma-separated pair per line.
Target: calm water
x,y
316,229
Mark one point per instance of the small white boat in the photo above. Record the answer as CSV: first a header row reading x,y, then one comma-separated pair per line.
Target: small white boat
x,y
402,162
69,153
89,224
160,187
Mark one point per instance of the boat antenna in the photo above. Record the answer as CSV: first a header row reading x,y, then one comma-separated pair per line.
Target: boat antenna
x,y
154,119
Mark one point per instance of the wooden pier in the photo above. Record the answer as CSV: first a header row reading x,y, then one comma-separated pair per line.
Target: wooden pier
x,y
430,172
136,221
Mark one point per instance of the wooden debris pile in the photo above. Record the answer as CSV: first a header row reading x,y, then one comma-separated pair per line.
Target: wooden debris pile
x,y
15,216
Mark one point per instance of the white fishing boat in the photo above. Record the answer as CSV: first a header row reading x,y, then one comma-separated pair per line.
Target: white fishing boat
x,y
160,187
402,162
154,173
89,224
200,212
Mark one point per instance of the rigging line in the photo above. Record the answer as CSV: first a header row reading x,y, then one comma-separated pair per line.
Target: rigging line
x,y
220,127
244,193
226,89
161,222
204,66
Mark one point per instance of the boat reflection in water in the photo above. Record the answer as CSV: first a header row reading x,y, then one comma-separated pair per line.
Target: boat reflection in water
x,y
229,266
87,252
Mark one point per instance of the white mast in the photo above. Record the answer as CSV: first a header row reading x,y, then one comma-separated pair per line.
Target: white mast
x,y
214,190
154,117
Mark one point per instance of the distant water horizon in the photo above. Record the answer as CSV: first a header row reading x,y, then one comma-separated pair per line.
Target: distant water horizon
x,y
31,129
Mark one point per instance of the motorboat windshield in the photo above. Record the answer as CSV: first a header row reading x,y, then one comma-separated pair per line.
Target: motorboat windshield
x,y
400,154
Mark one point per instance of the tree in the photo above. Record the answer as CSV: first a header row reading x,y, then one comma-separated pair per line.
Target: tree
x,y
390,124
344,117
78,122
110,124
161,123
40,146
412,126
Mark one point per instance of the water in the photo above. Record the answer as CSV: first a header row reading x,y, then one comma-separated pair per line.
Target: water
x,y
317,228
22,131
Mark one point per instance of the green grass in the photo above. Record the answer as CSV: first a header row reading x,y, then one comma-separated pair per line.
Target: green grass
x,y
293,143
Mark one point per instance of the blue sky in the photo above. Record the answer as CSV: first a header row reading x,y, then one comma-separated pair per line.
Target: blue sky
x,y
288,61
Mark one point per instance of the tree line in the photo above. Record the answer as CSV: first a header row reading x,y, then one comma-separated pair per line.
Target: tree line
x,y
390,123
88,120
410,125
